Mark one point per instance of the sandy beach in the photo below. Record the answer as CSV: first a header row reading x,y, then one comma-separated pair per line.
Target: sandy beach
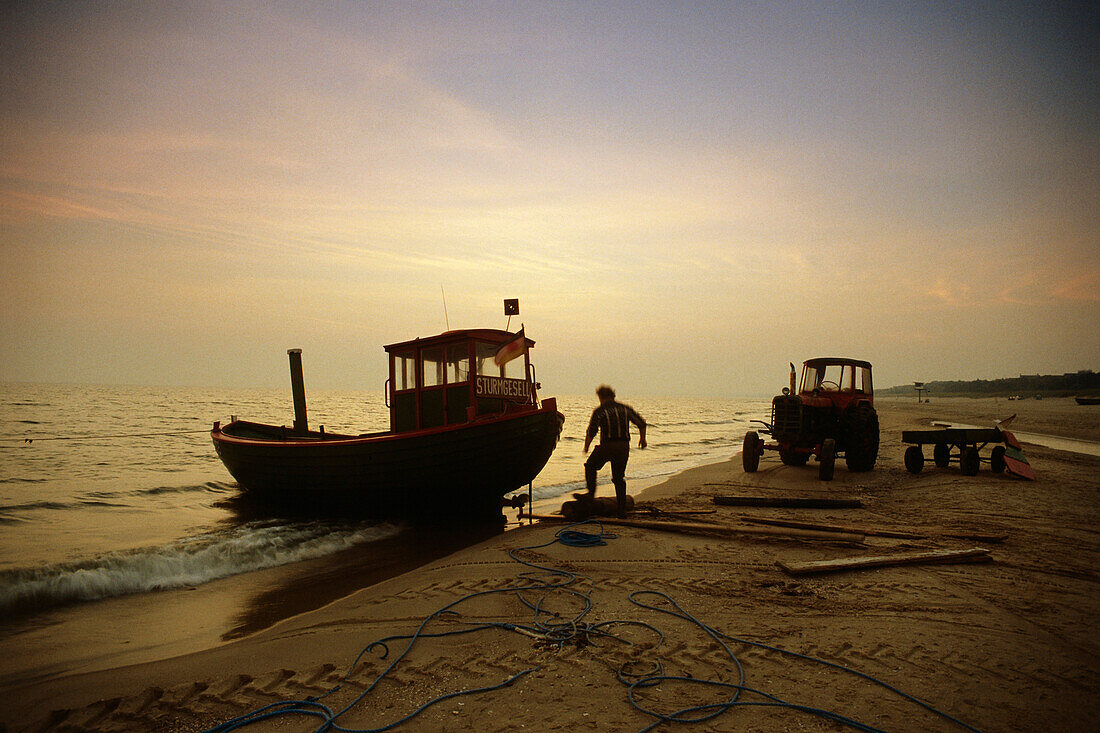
x,y
1002,645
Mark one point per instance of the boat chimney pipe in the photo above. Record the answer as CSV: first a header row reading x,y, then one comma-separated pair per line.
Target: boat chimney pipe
x,y
298,387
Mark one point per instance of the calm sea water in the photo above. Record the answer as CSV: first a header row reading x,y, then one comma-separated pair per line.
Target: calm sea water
x,y
108,491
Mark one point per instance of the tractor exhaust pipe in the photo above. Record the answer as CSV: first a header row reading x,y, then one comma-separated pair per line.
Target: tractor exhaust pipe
x,y
298,388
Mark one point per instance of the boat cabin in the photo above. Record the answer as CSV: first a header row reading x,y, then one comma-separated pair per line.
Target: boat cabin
x,y
453,378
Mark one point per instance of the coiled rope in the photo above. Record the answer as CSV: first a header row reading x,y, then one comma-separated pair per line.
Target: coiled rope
x,y
552,629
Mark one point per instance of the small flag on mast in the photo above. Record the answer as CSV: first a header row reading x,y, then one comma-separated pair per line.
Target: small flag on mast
x,y
512,349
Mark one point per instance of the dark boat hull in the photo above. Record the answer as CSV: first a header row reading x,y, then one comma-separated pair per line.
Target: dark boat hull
x,y
1088,400
462,469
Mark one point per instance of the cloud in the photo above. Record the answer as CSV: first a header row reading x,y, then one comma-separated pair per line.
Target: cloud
x,y
1083,288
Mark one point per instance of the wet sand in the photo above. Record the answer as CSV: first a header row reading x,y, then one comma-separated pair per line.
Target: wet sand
x,y
1006,645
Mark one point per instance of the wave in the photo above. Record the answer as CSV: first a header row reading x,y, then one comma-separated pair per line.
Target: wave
x,y
724,420
159,490
36,505
99,502
186,562
551,491
700,442
104,498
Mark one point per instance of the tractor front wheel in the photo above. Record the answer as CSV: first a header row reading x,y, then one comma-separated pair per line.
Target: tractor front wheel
x,y
827,457
750,452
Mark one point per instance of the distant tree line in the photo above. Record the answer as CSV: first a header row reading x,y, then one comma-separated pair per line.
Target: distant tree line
x,y
1025,385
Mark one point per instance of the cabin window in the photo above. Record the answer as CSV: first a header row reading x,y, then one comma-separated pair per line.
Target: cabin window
x,y
864,381
404,371
485,364
458,363
404,399
432,360
810,378
830,379
816,377
847,378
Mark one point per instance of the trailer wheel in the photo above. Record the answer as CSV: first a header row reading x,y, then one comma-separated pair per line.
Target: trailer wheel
x,y
941,454
970,461
750,452
828,460
914,459
997,459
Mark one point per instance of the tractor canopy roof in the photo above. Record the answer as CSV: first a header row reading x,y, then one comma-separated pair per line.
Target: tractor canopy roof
x,y
827,361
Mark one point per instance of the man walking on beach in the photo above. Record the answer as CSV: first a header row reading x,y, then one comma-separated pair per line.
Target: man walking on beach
x,y
612,421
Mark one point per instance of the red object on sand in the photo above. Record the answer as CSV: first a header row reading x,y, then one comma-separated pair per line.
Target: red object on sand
x,y
1015,462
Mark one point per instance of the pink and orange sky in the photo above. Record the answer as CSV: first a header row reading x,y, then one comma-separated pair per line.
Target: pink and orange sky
x,y
684,196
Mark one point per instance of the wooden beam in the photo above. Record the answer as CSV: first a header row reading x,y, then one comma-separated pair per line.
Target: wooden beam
x,y
976,554
976,536
733,531
835,528
542,517
789,502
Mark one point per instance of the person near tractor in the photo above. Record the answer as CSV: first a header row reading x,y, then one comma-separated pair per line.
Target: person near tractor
x,y
612,421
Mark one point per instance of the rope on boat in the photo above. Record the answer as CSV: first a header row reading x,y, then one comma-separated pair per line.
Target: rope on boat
x,y
553,630
103,437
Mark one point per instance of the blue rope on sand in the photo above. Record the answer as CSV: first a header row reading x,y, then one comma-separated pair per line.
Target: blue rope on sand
x,y
552,629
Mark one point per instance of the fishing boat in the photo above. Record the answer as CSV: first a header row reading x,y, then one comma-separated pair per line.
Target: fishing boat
x,y
1088,400
466,428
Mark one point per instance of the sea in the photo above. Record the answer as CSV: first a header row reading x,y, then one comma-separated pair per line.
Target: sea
x,y
110,492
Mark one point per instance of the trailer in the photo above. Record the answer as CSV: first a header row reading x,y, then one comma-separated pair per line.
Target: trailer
x,y
963,445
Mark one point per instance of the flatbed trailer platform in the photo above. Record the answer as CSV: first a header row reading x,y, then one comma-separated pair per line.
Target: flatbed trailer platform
x,y
960,445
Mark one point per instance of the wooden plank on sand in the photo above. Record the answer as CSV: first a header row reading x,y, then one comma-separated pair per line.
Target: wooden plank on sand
x,y
835,528
728,531
976,554
977,536
543,517
789,502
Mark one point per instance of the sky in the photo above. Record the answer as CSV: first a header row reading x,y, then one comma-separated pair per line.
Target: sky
x,y
684,196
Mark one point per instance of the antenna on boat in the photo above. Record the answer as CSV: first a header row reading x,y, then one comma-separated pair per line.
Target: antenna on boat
x,y
511,308
445,316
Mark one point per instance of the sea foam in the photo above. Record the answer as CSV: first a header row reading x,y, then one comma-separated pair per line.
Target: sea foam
x,y
186,562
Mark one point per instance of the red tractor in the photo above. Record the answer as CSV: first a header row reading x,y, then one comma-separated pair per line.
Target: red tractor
x,y
832,414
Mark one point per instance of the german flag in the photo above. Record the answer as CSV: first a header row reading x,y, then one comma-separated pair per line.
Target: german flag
x,y
512,349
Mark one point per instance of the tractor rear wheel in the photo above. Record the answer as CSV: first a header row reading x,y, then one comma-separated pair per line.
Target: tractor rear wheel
x,y
861,439
750,452
828,460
